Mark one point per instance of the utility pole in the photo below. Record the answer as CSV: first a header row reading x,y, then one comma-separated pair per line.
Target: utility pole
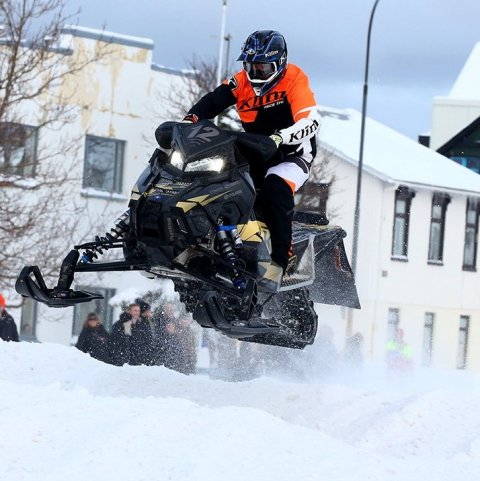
x,y
220,48
356,219
222,40
228,39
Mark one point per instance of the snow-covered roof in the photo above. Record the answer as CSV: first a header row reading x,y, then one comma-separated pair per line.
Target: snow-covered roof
x,y
392,156
467,85
174,71
106,36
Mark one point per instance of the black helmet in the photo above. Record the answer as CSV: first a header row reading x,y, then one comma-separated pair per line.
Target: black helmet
x,y
264,57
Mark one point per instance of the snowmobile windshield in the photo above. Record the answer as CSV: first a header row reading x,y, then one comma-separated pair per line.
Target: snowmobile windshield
x,y
202,148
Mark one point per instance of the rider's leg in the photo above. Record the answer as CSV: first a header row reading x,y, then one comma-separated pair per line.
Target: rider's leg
x,y
277,202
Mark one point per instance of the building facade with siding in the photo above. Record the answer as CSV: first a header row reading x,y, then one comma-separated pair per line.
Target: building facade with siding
x,y
117,106
416,264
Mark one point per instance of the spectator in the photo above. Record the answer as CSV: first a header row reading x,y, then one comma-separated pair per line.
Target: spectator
x,y
147,315
166,340
210,342
8,328
399,355
176,341
94,338
145,309
353,350
249,363
326,357
131,339
187,352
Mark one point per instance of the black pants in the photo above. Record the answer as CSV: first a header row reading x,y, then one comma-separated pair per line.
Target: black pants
x,y
276,202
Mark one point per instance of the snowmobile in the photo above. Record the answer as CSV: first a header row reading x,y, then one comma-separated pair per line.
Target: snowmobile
x,y
192,218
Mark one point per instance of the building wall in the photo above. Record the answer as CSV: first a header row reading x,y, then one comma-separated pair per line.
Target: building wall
x,y
413,287
116,98
449,117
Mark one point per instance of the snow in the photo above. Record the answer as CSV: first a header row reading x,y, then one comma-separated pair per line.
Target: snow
x,y
390,155
101,194
16,181
107,36
163,290
127,296
164,68
67,416
466,86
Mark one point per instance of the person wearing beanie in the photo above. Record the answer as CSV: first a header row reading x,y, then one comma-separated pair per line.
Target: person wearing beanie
x,y
8,328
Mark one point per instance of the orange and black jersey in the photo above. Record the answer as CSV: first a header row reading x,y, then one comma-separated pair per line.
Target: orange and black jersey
x,y
289,109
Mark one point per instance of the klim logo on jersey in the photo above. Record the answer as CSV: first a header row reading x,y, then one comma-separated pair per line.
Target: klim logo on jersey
x,y
254,103
305,132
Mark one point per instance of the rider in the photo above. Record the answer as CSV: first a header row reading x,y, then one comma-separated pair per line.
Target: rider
x,y
272,98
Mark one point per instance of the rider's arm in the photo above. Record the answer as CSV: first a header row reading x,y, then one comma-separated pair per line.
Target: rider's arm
x,y
304,111
214,103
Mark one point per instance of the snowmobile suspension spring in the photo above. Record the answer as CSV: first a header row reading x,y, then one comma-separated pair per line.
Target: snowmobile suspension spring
x,y
229,254
116,232
225,246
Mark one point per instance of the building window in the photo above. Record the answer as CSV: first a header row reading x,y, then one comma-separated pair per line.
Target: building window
x,y
393,322
313,197
403,200
437,228
428,324
472,162
101,307
18,149
463,342
28,320
103,164
471,229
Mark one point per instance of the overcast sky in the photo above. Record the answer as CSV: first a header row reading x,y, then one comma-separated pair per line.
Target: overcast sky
x,y
418,46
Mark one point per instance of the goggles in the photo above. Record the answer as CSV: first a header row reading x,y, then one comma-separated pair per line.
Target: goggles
x,y
260,71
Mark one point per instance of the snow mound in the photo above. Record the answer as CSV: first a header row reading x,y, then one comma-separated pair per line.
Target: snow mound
x,y
67,416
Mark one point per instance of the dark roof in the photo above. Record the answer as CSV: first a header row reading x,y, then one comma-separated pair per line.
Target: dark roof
x,y
454,141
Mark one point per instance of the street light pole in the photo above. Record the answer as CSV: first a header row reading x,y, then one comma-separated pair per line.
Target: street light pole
x,y
356,220
228,39
222,41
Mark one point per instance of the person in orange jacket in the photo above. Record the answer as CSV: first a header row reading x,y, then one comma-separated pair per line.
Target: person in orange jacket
x,y
8,328
274,98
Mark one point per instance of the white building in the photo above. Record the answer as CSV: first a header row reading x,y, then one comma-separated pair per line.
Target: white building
x,y
415,268
118,107
461,107
412,271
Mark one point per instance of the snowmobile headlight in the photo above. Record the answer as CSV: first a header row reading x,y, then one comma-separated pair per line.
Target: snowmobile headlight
x,y
177,160
211,164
